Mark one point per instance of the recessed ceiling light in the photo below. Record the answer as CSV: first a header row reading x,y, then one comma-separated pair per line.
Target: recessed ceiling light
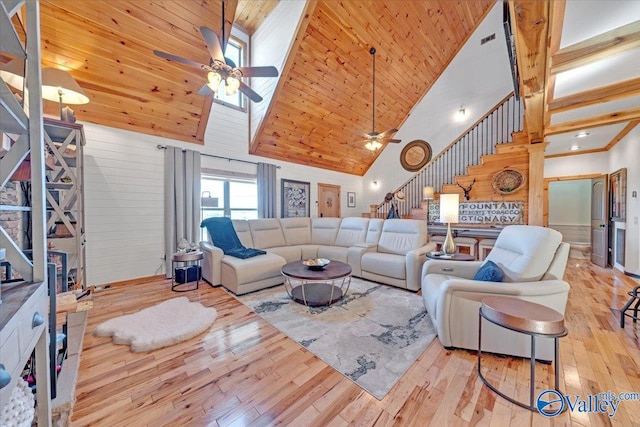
x,y
581,134
574,148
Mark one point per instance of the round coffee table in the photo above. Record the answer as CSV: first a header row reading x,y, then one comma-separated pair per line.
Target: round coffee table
x,y
316,288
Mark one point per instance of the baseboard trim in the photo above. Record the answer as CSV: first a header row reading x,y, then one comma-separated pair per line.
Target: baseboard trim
x,y
635,276
129,282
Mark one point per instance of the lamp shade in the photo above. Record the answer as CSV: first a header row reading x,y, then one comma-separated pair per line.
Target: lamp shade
x,y
449,205
13,73
427,193
58,85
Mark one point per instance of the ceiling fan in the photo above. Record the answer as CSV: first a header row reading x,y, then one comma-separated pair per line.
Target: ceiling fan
x,y
221,68
374,140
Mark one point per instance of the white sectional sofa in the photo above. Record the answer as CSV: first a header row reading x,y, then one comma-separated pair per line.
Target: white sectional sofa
x,y
388,251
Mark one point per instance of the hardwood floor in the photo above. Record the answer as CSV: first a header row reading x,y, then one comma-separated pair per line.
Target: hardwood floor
x,y
243,371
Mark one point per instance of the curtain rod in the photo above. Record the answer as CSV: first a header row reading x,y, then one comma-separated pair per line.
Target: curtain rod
x,y
164,147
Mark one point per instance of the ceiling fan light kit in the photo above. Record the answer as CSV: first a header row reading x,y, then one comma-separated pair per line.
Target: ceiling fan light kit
x,y
374,140
221,68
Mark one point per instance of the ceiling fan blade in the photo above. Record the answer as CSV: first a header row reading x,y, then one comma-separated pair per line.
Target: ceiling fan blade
x,y
387,133
393,141
213,44
259,71
205,90
251,94
179,59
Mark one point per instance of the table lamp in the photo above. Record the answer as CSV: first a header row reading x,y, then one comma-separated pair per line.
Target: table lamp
x,y
58,85
449,205
427,195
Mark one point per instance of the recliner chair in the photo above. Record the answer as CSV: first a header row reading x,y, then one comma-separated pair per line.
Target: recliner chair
x,y
533,260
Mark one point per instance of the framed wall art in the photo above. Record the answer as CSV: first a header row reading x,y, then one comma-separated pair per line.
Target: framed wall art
x,y
295,198
618,195
351,200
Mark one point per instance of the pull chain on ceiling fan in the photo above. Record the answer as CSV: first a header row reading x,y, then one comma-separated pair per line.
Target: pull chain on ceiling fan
x,y
221,68
375,140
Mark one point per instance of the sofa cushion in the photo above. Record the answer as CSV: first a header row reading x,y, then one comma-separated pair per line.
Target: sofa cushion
x,y
324,230
244,233
524,252
289,253
374,229
252,269
266,233
388,265
489,272
400,236
352,231
335,253
297,231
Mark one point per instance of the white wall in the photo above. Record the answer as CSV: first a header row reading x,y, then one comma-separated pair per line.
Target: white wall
x,y
625,154
477,78
570,202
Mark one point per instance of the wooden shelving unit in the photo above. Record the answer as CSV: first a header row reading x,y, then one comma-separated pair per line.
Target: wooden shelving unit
x,y
65,196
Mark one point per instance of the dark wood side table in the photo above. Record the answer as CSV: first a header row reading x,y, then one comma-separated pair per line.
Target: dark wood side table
x,y
454,257
186,259
316,288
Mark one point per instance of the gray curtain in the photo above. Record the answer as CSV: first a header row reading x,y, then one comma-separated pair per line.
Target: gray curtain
x,y
181,200
266,181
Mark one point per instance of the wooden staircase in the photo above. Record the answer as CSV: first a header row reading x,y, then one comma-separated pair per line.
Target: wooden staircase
x,y
512,155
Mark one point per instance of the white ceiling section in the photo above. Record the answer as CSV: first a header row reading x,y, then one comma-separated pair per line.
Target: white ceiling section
x,y
582,21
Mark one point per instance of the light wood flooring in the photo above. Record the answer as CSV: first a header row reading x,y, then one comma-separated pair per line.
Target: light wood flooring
x,y
243,371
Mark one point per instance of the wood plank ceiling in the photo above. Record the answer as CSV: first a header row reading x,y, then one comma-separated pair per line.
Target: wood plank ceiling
x,y
324,100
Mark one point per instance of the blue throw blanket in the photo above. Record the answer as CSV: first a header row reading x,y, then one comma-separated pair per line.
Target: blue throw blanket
x,y
224,236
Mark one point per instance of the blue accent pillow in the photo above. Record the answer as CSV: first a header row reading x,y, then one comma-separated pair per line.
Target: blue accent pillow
x,y
489,272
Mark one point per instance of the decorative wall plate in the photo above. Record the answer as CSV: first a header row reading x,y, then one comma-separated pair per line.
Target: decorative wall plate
x,y
508,181
415,155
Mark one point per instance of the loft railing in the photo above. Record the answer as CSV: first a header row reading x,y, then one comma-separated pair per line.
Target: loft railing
x,y
480,139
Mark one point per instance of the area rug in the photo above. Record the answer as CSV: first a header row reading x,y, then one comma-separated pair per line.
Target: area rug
x,y
372,336
161,325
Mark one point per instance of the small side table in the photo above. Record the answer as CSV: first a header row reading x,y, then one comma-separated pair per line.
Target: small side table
x,y
529,318
454,257
186,259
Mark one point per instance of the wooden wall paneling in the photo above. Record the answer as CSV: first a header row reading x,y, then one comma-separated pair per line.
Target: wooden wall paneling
x,y
250,14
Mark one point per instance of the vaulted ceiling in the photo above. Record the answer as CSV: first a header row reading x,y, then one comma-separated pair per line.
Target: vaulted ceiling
x,y
323,99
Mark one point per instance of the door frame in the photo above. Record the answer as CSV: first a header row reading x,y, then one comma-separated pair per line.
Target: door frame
x,y
338,189
545,194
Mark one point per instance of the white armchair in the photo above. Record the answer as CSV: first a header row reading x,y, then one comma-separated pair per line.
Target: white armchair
x,y
533,260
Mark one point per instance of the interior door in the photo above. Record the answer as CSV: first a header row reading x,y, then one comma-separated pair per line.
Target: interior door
x,y
599,221
328,200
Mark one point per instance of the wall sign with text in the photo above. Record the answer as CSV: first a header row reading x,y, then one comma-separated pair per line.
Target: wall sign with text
x,y
484,212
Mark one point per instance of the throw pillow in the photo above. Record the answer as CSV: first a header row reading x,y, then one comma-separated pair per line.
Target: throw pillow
x,y
489,272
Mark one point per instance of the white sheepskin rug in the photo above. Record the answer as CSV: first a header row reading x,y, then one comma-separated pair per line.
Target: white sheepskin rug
x,y
162,325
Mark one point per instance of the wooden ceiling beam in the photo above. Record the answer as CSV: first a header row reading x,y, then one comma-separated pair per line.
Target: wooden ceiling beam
x,y
556,23
597,48
595,121
628,128
531,27
597,95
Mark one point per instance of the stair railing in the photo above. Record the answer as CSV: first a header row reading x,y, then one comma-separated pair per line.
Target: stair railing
x,y
480,139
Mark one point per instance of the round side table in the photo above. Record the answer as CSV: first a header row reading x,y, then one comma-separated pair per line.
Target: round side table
x,y
531,319
186,260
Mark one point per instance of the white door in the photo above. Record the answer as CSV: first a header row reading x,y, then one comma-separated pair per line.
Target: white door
x,y
599,221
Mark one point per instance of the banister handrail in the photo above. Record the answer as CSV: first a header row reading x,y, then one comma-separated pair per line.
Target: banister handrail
x,y
471,133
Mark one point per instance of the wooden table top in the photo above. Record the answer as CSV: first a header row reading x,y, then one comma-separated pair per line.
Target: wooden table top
x,y
454,257
333,270
523,315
